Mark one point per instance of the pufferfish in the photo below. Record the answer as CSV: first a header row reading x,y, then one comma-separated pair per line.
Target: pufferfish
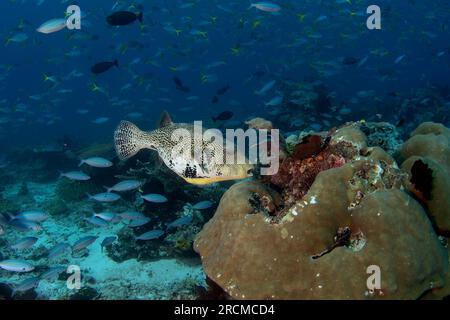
x,y
202,170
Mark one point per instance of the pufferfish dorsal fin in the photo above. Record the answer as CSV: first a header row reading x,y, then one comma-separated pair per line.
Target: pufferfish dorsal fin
x,y
164,120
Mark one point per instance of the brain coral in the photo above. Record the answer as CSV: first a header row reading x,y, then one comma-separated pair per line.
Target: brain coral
x,y
352,218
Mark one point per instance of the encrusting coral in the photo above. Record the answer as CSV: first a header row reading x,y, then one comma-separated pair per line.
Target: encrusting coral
x,y
320,242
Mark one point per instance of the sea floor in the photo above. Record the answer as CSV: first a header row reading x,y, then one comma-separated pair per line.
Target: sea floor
x,y
102,277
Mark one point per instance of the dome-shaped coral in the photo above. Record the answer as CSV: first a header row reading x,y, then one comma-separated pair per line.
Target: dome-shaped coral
x,y
427,160
351,219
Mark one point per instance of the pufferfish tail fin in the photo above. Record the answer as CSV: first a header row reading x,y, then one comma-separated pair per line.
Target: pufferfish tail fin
x,y
129,140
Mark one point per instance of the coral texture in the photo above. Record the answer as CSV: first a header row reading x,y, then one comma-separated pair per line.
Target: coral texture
x,y
351,218
429,147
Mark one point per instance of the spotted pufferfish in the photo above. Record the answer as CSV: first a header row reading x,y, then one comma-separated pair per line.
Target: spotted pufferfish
x,y
129,140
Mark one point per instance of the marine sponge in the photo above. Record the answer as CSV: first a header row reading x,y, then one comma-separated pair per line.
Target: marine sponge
x,y
351,218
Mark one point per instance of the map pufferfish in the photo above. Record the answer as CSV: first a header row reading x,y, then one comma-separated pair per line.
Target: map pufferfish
x,y
129,140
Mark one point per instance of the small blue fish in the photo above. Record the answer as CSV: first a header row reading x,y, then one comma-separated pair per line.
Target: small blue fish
x,y
104,197
75,175
36,216
108,241
53,273
139,222
182,221
203,205
132,215
16,266
24,243
96,162
150,235
156,198
126,185
83,243
96,221
58,250
26,285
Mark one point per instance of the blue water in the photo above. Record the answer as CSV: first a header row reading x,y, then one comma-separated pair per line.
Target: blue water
x,y
417,29
310,48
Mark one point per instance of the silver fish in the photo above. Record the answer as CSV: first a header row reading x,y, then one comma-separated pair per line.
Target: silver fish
x,y
96,162
75,175
126,185
58,250
53,272
36,216
150,235
16,266
104,197
26,285
83,243
24,243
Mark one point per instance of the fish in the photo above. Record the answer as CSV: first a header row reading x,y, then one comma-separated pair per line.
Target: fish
x,y
104,197
276,101
18,38
57,250
107,216
123,18
129,140
36,216
2,230
51,26
203,205
107,241
16,266
75,175
126,185
102,67
96,221
83,243
96,162
24,243
26,285
266,6
100,120
223,116
182,221
268,86
132,215
399,59
25,225
180,86
150,235
53,273
153,197
138,222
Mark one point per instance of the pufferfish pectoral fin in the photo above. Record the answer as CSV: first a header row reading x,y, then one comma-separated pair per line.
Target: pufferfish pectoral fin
x,y
129,140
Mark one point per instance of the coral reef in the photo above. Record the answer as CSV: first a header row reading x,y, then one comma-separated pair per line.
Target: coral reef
x,y
427,161
72,191
341,221
383,135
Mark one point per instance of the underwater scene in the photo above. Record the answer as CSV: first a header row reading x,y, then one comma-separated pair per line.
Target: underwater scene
x,y
224,150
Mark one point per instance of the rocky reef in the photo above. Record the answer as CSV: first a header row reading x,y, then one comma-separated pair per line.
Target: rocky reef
x,y
338,208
